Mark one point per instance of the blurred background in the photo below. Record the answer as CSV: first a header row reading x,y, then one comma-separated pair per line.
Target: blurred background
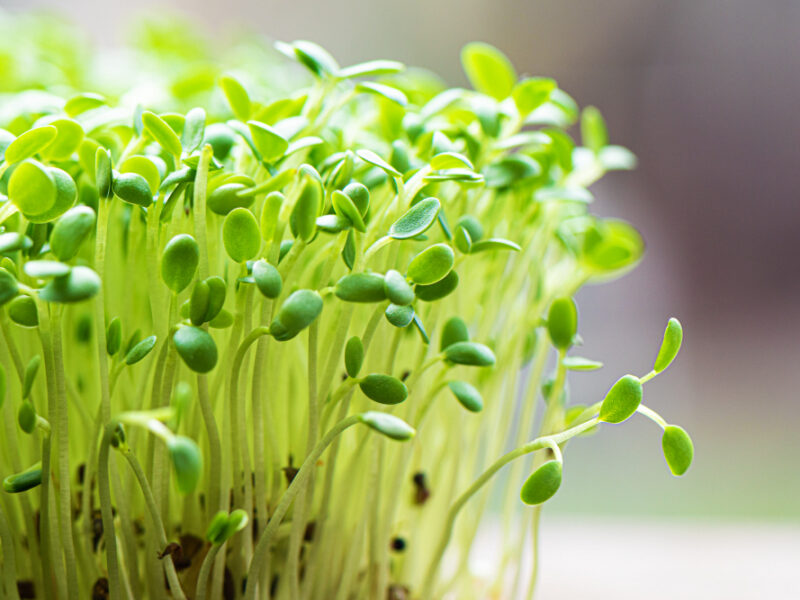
x,y
706,93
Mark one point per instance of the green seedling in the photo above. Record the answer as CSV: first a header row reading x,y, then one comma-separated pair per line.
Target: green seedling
x,y
214,274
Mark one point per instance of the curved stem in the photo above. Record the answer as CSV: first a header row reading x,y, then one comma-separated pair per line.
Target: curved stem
x,y
262,548
215,500
169,566
652,415
532,446
205,571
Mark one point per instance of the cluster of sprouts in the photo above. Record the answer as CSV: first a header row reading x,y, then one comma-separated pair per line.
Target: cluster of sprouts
x,y
261,342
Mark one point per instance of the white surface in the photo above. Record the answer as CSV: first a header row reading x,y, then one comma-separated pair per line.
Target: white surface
x,y
594,559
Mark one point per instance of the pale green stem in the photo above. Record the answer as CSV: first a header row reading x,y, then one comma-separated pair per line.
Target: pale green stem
x,y
158,525
109,534
645,378
537,516
321,532
199,212
215,500
306,492
205,571
9,559
532,446
262,547
104,207
262,479
240,452
56,371
652,415
51,532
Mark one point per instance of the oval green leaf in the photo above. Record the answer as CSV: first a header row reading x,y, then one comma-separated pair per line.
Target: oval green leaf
x,y
671,344
196,347
361,287
678,449
622,400
70,231
397,289
299,310
384,389
162,133
30,143
241,235
267,278
416,220
562,322
469,353
187,462
432,264
353,356
467,394
81,283
453,332
388,425
140,350
179,262
488,70
542,484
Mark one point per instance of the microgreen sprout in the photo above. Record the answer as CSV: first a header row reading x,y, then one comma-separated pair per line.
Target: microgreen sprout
x,y
204,289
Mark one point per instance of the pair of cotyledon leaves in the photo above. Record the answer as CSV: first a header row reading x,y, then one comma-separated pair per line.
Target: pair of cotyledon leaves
x,y
619,404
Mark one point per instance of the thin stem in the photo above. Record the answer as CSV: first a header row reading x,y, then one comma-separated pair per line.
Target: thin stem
x,y
645,378
103,210
205,571
652,415
532,446
109,534
215,499
56,371
9,559
301,505
51,532
155,516
262,547
537,516
199,212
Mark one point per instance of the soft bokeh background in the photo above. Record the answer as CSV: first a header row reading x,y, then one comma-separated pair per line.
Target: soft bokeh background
x,y
707,93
